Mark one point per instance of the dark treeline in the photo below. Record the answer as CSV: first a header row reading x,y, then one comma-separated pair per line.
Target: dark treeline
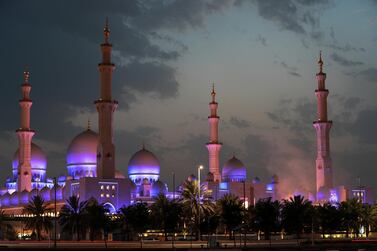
x,y
296,216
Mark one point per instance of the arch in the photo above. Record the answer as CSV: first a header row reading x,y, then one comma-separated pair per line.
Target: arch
x,y
110,207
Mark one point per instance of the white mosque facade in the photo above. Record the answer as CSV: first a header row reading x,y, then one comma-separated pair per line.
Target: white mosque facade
x,y
90,160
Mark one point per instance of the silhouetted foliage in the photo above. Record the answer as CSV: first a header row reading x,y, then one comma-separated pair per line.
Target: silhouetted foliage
x,y
265,216
72,217
231,212
166,214
40,221
296,214
135,218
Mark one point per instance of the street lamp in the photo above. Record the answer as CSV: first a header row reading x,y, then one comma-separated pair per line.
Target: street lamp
x,y
199,169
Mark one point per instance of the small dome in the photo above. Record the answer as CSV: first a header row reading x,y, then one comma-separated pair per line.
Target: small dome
x,y
234,170
38,163
82,155
158,187
143,164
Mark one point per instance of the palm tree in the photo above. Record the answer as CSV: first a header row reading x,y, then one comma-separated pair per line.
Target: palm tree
x,y
265,216
136,217
374,217
96,218
366,217
166,214
38,221
231,212
72,217
328,218
296,214
195,209
350,212
6,229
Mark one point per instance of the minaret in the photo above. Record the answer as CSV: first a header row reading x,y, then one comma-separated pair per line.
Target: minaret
x,y
214,145
106,107
322,126
25,134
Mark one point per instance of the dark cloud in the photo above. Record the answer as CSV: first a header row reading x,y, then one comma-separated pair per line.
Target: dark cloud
x,y
365,126
257,153
343,61
239,123
150,77
291,70
179,15
293,15
369,74
295,74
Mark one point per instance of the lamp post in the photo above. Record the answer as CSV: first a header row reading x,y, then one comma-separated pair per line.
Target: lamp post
x,y
172,239
199,169
244,207
55,235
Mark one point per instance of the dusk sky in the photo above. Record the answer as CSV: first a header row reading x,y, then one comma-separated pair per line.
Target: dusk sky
x,y
262,56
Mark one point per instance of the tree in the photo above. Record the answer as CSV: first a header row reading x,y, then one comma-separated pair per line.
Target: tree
x,y
195,209
366,217
39,221
296,214
166,214
72,217
350,212
136,217
265,216
328,218
96,218
6,230
231,212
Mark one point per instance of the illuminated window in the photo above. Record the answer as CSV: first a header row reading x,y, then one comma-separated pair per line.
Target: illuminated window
x,y
107,195
101,194
113,187
113,195
107,187
102,187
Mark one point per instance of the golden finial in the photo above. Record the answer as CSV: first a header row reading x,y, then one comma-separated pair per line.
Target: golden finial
x,y
213,93
106,30
320,62
88,126
26,75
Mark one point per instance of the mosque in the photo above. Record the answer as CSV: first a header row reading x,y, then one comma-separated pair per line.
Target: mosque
x,y
90,160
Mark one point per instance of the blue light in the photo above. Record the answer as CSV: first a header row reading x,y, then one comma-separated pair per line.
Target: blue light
x,y
223,186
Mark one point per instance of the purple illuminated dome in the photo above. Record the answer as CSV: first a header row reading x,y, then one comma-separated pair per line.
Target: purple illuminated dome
x,y
82,155
38,163
234,170
143,164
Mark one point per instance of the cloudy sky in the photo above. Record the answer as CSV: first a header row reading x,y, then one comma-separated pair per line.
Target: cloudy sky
x,y
261,54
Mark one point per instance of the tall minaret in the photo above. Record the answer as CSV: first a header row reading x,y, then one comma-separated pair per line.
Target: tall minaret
x,y
214,145
25,134
322,126
106,107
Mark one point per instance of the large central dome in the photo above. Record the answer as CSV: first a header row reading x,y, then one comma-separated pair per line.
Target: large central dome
x,y
82,155
143,164
234,170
